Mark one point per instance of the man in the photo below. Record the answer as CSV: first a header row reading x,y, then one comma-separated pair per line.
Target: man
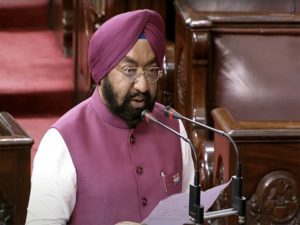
x,y
100,163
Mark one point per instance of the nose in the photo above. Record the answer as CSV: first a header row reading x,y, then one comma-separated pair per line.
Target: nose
x,y
141,84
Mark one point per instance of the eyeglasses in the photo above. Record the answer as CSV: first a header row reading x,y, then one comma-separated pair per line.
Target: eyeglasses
x,y
152,74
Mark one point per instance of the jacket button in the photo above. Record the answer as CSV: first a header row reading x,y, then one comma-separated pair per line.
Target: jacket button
x,y
132,139
144,201
139,170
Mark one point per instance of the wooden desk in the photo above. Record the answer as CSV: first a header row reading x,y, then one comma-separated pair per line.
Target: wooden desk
x,y
270,157
15,146
237,55
210,73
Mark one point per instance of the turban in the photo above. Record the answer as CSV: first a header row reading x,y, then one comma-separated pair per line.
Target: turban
x,y
115,38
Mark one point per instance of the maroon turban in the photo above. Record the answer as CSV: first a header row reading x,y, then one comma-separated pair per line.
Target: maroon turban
x,y
114,39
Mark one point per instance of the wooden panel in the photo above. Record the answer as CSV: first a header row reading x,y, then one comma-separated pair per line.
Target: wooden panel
x,y
83,29
270,157
62,23
191,68
204,64
15,146
201,59
257,6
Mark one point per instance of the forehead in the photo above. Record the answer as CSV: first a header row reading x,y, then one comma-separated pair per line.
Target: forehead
x,y
141,53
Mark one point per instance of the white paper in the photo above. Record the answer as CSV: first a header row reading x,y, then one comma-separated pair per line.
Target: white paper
x,y
174,209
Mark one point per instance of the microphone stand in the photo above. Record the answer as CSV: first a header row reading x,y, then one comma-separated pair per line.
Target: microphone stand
x,y
196,210
238,201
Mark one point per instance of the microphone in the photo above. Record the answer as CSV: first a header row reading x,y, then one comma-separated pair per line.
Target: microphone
x,y
196,210
237,198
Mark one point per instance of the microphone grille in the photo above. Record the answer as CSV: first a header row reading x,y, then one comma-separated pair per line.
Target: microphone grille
x,y
144,113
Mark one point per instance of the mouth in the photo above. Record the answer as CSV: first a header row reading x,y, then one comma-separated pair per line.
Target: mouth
x,y
138,102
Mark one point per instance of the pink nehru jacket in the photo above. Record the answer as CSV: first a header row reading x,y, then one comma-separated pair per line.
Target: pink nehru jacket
x,y
121,173
114,39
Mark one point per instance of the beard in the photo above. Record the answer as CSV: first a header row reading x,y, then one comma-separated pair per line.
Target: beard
x,y
131,115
